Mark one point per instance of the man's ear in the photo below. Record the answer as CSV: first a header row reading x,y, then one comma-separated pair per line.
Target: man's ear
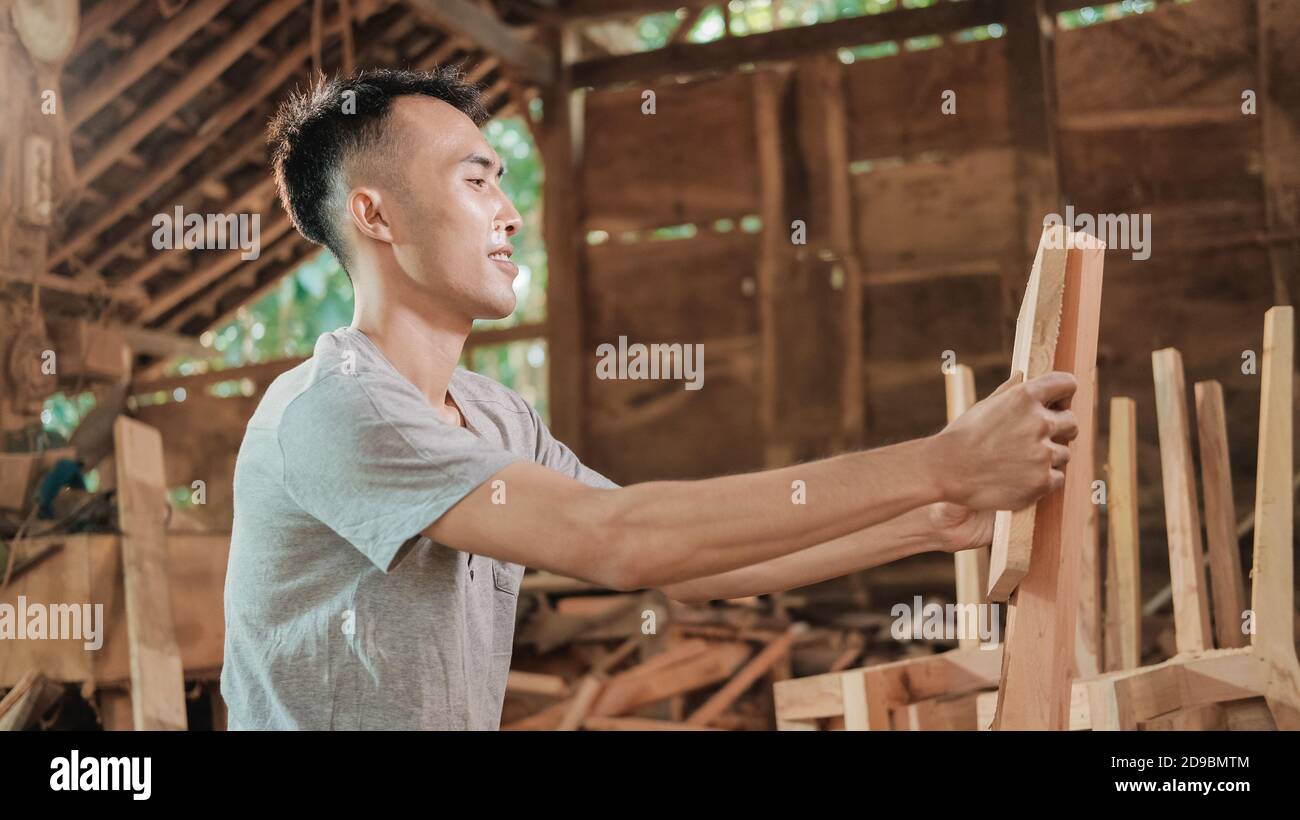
x,y
366,209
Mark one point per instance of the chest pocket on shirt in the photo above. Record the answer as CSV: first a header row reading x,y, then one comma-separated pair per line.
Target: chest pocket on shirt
x,y
505,598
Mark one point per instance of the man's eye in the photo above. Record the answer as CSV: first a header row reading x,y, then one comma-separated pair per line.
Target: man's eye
x,y
479,182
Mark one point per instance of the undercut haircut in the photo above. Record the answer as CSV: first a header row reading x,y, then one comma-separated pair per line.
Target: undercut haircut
x,y
316,133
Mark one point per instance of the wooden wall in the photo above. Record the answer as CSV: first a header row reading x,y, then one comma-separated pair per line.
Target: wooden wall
x,y
1148,119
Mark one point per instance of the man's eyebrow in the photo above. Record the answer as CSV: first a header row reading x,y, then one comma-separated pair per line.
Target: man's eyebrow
x,y
487,162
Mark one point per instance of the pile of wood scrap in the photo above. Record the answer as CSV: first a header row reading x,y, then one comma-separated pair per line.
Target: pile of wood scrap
x,y
593,660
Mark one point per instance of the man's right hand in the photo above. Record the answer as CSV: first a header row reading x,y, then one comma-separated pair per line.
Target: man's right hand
x,y
1008,450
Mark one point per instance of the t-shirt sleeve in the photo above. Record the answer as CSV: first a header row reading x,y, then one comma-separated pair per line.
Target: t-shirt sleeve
x,y
372,461
553,453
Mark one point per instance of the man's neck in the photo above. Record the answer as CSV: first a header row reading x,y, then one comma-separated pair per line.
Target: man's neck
x,y
419,345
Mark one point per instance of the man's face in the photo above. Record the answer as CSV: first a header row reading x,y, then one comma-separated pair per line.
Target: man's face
x,y
451,221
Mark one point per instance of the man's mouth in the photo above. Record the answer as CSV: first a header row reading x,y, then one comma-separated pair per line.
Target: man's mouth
x,y
501,256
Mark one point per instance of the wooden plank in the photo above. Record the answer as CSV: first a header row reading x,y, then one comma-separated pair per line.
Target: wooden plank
x,y
589,688
27,701
786,44
1121,700
957,714
758,666
769,90
535,683
1228,588
476,24
810,698
1273,574
1087,625
559,139
200,76
1039,647
141,58
858,707
1182,522
636,688
1124,565
1037,330
597,723
971,566
157,685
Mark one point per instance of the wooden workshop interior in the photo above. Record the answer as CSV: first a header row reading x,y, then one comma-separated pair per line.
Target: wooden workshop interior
x,y
846,211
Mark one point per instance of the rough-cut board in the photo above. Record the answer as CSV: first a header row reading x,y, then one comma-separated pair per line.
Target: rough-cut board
x,y
1124,569
1039,647
1273,574
1035,350
1229,590
1182,522
1088,632
157,682
971,566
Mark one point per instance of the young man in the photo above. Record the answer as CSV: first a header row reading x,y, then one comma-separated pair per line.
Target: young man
x,y
387,501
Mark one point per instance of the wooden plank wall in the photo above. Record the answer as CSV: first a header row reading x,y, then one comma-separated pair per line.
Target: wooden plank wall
x,y
1147,120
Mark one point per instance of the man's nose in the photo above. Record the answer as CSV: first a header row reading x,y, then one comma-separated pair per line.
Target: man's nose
x,y
508,221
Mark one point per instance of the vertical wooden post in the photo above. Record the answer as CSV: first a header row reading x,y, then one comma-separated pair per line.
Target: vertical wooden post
x,y
1038,657
769,87
1227,587
157,679
1186,556
1031,121
840,195
561,147
1087,642
1273,575
971,566
1124,558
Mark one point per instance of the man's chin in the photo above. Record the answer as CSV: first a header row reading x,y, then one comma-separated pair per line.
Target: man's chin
x,y
497,309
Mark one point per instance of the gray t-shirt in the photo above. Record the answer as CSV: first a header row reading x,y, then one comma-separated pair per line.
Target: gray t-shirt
x,y
339,615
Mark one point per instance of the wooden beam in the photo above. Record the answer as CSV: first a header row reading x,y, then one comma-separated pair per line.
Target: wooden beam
x,y
1039,649
786,44
971,566
228,115
1088,649
1030,109
203,74
1273,574
1124,564
141,59
758,666
100,19
528,61
768,90
652,682
157,682
290,251
223,264
1037,330
1226,584
1182,521
135,237
257,198
559,138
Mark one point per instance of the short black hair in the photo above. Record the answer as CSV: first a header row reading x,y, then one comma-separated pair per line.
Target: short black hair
x,y
315,131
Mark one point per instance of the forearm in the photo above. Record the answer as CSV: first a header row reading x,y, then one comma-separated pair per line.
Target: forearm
x,y
908,534
673,531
